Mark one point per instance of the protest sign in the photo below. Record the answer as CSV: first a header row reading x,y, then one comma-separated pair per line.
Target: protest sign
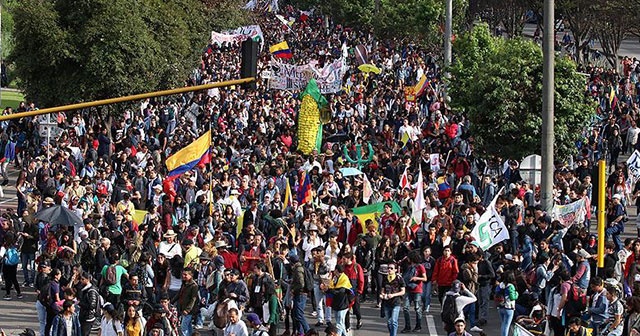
x,y
569,214
434,159
295,77
633,164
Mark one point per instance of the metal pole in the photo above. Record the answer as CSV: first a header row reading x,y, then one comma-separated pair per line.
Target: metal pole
x,y
546,190
48,136
126,98
602,185
447,43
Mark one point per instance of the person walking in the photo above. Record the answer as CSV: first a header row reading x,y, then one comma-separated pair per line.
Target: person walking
x,y
297,288
339,290
187,300
42,291
413,277
445,272
507,296
88,304
10,269
392,291
111,323
66,323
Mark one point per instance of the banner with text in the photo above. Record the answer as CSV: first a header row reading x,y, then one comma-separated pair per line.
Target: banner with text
x,y
569,214
240,34
295,77
490,228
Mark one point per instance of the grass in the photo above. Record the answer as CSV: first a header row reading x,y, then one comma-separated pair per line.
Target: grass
x,y
10,98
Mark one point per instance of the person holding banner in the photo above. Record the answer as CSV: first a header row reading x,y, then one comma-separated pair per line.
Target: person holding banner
x,y
615,221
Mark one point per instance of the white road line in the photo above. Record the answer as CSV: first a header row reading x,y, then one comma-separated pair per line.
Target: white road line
x,y
9,200
431,325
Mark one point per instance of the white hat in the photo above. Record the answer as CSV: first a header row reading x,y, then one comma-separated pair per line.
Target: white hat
x,y
618,196
234,192
157,186
169,233
220,243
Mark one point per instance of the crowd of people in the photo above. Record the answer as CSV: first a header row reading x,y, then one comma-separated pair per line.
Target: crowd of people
x,y
225,242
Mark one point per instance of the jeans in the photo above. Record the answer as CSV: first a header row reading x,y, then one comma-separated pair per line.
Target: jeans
x,y
300,325
204,295
42,317
392,313
28,260
427,289
416,299
186,327
340,321
506,316
324,312
484,296
470,314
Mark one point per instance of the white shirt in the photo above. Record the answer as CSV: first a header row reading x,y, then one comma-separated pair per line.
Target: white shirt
x,y
107,327
237,329
170,250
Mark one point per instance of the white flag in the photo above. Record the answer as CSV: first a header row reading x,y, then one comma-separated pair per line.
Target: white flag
x,y
633,164
490,229
419,203
367,191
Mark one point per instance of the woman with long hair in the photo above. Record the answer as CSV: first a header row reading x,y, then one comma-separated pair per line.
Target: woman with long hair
x,y
134,323
10,267
65,320
162,275
111,323
384,257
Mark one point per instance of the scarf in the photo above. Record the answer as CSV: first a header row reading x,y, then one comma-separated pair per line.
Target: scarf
x,y
391,277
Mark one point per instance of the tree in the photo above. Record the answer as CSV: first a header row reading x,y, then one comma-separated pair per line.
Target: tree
x,y
511,14
497,82
67,51
581,16
615,21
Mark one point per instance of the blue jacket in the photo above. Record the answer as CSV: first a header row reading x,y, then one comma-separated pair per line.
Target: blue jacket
x,y
59,327
598,309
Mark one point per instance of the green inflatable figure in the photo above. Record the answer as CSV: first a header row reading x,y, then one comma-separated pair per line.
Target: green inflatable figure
x,y
359,161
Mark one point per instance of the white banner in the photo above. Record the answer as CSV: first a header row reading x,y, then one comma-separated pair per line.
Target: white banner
x,y
240,34
295,77
490,229
435,162
633,163
572,213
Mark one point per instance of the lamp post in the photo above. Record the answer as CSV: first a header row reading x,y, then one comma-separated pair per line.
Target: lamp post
x,y
447,43
546,189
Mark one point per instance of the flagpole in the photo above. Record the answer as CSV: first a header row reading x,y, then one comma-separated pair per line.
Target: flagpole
x,y
210,170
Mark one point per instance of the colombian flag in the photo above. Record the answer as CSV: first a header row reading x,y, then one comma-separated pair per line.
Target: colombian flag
x,y
304,190
281,50
421,86
341,282
188,157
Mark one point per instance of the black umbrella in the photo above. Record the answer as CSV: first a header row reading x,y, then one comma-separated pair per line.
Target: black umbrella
x,y
59,215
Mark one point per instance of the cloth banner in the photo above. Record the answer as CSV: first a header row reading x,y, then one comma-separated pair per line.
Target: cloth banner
x,y
633,164
572,213
295,77
240,34
490,229
435,161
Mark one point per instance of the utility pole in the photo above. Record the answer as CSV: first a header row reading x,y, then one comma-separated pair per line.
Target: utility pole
x,y
546,190
447,43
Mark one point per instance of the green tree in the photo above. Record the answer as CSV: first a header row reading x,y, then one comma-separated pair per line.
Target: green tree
x,y
67,51
497,82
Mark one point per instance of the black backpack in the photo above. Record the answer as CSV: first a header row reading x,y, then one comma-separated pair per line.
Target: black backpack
x,y
308,281
45,293
449,312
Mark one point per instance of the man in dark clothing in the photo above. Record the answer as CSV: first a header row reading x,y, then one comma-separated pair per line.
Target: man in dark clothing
x,y
28,252
186,301
486,274
300,325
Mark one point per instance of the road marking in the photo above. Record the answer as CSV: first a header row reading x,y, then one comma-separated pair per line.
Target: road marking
x,y
9,200
431,325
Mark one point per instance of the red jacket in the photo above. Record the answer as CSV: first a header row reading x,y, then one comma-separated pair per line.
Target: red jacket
x,y
356,275
446,271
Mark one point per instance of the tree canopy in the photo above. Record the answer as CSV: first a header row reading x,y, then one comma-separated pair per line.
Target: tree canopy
x,y
498,83
67,51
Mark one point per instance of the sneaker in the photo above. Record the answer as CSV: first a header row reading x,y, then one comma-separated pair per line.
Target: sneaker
x,y
406,330
25,284
314,313
31,285
320,324
20,296
7,298
417,329
378,305
199,326
359,325
476,329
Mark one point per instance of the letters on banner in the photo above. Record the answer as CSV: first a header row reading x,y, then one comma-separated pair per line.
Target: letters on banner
x,y
569,214
633,164
490,229
295,77
238,35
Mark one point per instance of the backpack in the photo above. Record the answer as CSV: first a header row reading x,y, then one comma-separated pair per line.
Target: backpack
x,y
111,275
308,281
576,301
141,272
449,312
12,257
88,257
407,275
45,294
